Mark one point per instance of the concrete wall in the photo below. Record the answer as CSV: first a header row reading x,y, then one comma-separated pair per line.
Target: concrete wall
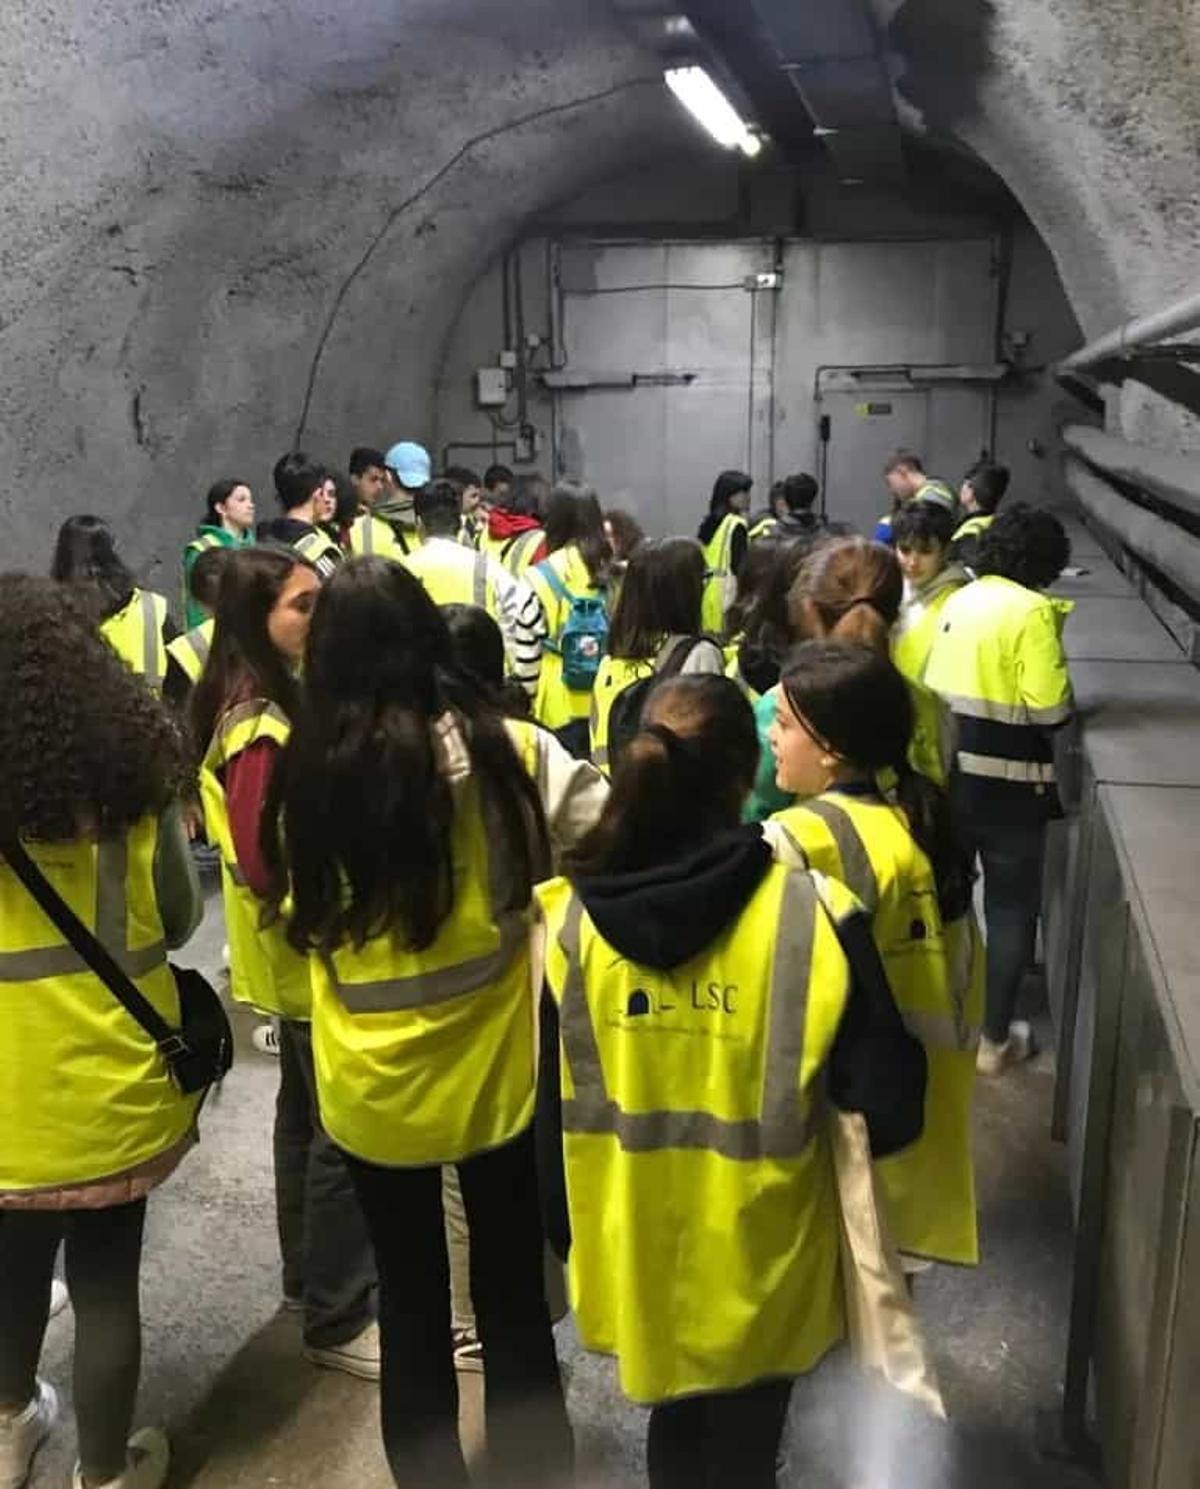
x,y
194,194
203,192
1090,113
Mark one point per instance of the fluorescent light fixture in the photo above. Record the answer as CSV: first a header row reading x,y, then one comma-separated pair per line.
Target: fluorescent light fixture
x,y
693,87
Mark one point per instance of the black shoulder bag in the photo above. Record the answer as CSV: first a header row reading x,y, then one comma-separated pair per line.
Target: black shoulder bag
x,y
200,1052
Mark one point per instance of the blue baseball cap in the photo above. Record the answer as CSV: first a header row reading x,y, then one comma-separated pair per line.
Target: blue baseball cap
x,y
411,463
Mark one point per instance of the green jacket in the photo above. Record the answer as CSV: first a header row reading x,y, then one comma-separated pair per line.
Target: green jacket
x,y
206,537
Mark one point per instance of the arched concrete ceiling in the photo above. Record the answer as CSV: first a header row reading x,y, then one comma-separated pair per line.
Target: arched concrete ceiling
x,y
201,195
201,222
1091,115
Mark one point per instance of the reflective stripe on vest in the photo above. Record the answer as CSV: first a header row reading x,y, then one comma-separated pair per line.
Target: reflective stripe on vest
x,y
934,1030
997,768
314,546
191,650
518,554
111,927
150,669
1009,713
440,984
784,1128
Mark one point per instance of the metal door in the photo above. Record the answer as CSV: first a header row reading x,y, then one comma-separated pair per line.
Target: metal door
x,y
865,428
679,371
946,425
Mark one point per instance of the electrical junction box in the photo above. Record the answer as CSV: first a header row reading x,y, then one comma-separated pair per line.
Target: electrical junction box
x,y
491,387
508,360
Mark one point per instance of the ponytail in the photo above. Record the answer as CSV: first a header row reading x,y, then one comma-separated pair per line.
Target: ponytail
x,y
680,781
854,701
862,623
931,822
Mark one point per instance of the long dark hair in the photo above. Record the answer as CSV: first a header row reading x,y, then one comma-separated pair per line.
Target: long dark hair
x,y
661,595
86,554
760,611
242,661
573,516
680,781
360,816
727,485
477,649
87,748
857,704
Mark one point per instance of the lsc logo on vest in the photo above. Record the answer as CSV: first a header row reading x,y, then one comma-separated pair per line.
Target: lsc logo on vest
x,y
643,1007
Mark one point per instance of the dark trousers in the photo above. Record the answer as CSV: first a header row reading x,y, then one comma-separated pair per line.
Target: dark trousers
x,y
528,1435
103,1256
727,1440
327,1258
1010,855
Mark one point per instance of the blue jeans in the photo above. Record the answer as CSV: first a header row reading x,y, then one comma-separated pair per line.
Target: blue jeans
x,y
1011,857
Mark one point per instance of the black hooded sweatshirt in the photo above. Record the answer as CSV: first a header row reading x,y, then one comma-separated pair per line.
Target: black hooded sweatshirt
x,y
664,916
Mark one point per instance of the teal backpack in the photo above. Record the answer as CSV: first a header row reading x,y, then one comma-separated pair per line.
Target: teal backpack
x,y
583,640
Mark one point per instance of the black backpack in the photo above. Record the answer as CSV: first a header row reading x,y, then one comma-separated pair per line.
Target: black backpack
x,y
625,717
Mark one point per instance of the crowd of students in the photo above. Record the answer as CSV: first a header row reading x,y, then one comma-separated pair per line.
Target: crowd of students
x,y
582,874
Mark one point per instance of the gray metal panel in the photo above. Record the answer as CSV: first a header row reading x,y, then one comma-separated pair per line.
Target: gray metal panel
x,y
658,449
1179,1464
1105,629
1141,721
1144,1208
1159,830
1099,979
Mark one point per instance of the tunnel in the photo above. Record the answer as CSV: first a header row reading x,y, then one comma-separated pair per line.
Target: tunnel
x,y
964,227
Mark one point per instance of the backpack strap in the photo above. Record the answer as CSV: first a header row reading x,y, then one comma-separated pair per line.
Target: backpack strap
x,y
555,580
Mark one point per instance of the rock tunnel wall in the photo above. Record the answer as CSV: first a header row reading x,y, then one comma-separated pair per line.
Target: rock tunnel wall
x,y
199,197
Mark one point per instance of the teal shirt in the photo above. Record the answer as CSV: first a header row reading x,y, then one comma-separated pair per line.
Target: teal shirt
x,y
766,799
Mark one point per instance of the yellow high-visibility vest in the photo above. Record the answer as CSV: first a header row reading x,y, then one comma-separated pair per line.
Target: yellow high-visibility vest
x,y
720,586
615,675
733,670
453,575
998,662
135,633
372,537
975,526
84,1092
427,1057
554,703
936,977
914,632
516,554
264,971
704,1227
190,651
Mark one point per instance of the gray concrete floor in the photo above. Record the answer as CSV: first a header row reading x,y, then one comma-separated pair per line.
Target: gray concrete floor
x,y
223,1370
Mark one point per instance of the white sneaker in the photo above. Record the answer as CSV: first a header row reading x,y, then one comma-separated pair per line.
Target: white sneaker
x,y
146,1467
995,1059
265,1040
59,1297
358,1356
22,1436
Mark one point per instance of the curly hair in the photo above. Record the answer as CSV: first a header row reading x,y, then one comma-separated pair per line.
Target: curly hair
x,y
86,746
1025,544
